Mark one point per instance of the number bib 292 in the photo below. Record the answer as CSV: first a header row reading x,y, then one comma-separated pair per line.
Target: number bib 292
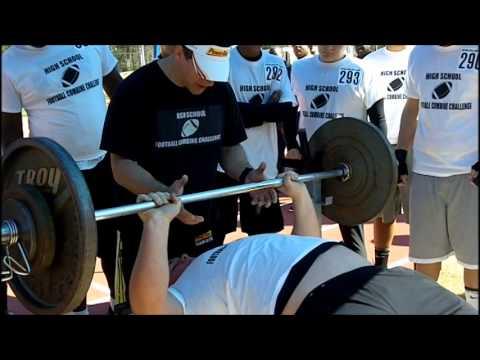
x,y
273,72
349,76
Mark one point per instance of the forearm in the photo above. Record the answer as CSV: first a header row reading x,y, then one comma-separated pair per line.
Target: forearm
x,y
376,113
256,114
128,174
291,130
408,125
150,276
306,222
250,117
234,160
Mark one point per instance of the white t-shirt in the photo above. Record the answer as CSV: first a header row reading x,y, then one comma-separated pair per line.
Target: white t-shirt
x,y
243,277
61,89
260,78
346,88
445,81
391,69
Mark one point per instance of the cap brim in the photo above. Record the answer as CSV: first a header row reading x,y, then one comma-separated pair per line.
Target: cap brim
x,y
214,69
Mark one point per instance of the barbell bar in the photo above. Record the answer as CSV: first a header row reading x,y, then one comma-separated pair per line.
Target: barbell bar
x,y
10,228
104,214
47,205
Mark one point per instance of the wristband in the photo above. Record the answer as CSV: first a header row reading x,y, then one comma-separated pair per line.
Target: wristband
x,y
244,174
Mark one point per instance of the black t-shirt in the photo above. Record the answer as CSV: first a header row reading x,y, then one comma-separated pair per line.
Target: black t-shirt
x,y
170,132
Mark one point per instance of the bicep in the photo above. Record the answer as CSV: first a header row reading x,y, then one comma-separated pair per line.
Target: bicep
x,y
287,92
111,81
373,90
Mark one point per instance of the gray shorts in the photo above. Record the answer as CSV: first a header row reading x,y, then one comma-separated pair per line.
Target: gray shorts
x,y
443,220
399,199
371,290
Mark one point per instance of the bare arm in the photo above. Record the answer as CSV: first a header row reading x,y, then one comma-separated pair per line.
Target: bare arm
x,y
128,174
150,276
306,222
112,81
408,124
11,128
234,160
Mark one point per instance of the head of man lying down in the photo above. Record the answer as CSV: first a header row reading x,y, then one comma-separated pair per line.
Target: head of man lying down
x,y
300,274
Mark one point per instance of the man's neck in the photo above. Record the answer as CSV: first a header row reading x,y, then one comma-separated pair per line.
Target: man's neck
x,y
330,61
250,53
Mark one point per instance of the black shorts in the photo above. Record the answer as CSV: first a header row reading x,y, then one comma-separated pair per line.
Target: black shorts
x,y
269,220
100,184
374,291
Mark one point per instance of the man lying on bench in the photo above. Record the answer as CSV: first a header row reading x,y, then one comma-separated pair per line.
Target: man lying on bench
x,y
300,274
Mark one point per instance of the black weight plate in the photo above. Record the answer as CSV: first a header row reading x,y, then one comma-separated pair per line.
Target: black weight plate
x,y
366,151
28,208
43,163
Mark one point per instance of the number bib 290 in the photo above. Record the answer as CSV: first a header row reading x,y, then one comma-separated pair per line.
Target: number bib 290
x,y
468,60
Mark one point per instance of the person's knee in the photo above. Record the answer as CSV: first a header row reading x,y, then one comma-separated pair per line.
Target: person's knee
x,y
431,270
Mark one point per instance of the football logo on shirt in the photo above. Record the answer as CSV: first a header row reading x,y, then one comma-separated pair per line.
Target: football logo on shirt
x,y
396,84
70,76
256,99
442,90
320,101
190,127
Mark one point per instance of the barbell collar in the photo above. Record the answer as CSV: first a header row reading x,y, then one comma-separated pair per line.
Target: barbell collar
x,y
9,232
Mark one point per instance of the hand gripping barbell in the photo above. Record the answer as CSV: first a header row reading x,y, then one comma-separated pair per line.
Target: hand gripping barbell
x,y
49,232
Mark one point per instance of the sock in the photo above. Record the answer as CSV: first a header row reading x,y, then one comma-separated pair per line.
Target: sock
x,y
471,297
381,258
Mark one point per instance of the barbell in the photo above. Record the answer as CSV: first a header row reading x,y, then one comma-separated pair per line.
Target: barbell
x,y
48,230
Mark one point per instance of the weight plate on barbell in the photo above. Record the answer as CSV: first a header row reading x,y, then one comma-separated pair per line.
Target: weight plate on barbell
x,y
28,208
373,170
47,166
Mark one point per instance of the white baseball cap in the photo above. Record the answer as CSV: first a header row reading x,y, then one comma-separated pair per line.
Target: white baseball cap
x,y
212,60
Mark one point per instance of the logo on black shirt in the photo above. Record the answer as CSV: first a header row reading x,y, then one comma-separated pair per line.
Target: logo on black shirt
x,y
396,84
70,76
442,90
190,127
320,101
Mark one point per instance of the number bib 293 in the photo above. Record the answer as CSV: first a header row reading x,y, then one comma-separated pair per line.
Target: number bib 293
x,y
349,76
